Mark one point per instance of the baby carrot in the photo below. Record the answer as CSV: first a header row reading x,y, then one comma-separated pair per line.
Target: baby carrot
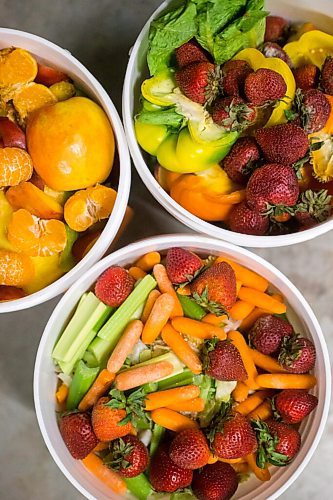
x,y
192,405
241,392
253,401
262,474
265,362
62,393
184,290
102,383
135,377
241,310
108,476
244,350
181,348
102,445
231,460
262,412
148,261
241,467
286,381
165,286
262,300
215,320
247,277
149,304
239,285
158,317
126,343
172,420
249,321
198,329
137,273
160,399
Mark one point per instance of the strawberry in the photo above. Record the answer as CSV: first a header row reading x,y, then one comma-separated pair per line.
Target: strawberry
x,y
165,475
114,286
233,113
191,52
11,134
128,455
264,86
313,207
239,162
189,449
306,76
326,79
293,405
272,49
107,421
234,73
222,361
247,221
278,443
312,108
267,334
49,76
181,265
77,432
199,82
298,354
271,187
276,28
215,288
285,143
215,482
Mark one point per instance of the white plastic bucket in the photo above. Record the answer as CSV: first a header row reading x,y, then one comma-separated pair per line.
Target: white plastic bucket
x,y
48,53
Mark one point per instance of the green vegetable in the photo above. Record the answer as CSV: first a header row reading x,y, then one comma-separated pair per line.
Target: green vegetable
x,y
224,390
139,486
191,308
157,436
80,385
186,377
167,117
151,387
66,259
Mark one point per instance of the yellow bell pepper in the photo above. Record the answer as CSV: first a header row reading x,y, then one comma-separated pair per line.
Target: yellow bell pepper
x,y
257,60
158,88
312,48
150,137
322,159
299,30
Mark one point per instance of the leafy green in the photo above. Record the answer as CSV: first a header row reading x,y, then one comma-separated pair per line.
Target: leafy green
x,y
168,117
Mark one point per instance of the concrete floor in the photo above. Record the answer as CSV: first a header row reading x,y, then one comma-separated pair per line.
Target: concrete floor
x,y
100,34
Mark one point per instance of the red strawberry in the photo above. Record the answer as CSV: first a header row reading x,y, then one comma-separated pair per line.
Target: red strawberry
x,y
271,49
191,52
106,421
278,443
234,437
128,455
272,186
239,162
49,76
77,432
263,86
285,143
313,207
215,482
275,28
313,109
234,73
297,355
222,361
233,113
326,79
165,475
182,265
293,405
306,77
114,286
199,82
247,221
267,334
189,449
11,134
215,288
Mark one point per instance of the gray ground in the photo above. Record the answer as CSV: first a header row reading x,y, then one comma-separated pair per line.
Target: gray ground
x,y
100,34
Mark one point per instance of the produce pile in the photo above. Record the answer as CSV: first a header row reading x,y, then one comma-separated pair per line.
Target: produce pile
x,y
237,116
182,375
56,156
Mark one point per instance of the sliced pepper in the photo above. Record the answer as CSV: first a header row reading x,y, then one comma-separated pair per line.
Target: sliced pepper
x,y
312,48
257,60
322,158
159,88
150,137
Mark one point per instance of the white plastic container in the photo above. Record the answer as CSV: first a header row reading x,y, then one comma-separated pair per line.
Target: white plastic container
x,y
48,53
45,380
319,13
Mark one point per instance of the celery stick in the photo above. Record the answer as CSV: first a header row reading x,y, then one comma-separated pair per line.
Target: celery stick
x,y
82,380
139,486
184,378
113,329
157,436
191,308
151,387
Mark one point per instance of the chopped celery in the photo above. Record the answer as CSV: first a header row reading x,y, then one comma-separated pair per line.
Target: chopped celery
x,y
158,434
150,387
139,486
191,308
145,355
99,350
82,380
184,378
90,359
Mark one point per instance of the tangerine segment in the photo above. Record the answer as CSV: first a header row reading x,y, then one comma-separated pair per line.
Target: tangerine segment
x,y
36,237
17,66
27,195
16,269
32,97
88,206
15,166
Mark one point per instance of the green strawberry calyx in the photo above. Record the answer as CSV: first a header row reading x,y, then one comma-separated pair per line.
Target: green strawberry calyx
x,y
267,446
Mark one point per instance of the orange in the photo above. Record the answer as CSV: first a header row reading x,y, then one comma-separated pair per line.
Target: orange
x,y
16,269
27,195
17,66
34,236
31,97
15,166
71,144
